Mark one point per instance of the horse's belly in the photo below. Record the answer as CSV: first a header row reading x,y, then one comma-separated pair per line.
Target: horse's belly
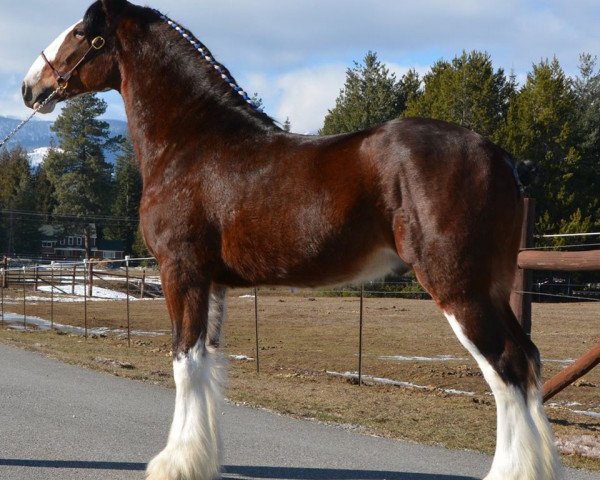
x,y
379,264
373,266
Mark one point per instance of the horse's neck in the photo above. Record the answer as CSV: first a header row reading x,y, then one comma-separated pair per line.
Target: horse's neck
x,y
164,105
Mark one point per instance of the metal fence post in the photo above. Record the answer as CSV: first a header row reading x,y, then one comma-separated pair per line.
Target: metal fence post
x,y
127,300
51,295
5,272
2,294
85,328
91,278
360,334
24,302
256,328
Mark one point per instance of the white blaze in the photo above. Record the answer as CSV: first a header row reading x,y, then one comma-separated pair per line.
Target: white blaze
x,y
34,74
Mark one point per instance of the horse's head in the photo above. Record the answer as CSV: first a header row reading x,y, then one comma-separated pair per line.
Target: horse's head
x,y
82,59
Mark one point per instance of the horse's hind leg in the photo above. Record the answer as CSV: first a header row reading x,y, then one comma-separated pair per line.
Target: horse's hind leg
x,y
194,445
510,364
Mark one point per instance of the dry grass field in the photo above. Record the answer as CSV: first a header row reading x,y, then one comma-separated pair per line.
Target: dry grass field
x,y
303,337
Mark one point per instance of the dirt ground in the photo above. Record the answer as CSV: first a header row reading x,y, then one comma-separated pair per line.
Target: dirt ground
x,y
305,339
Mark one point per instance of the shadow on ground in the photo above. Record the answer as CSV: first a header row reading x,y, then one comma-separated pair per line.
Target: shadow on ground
x,y
235,472
76,464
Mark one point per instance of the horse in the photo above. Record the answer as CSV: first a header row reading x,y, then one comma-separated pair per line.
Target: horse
x,y
230,199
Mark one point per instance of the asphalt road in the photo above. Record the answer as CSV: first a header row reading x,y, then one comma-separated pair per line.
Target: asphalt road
x,y
62,422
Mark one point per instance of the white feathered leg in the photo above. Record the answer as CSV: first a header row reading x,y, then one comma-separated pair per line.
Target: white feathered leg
x,y
525,447
193,451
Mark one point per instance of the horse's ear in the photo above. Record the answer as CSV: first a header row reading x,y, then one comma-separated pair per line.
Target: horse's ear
x,y
113,8
101,16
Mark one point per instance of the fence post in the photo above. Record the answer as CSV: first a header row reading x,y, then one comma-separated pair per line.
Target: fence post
x,y
5,272
73,282
2,294
143,284
521,302
360,334
85,300
91,279
24,302
35,278
51,295
256,328
127,299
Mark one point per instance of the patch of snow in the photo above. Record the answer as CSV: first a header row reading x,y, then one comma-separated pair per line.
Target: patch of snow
x,y
241,357
588,413
246,296
43,324
398,383
416,358
97,292
584,445
37,155
558,360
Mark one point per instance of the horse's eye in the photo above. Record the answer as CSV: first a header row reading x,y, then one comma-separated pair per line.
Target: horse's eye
x,y
79,33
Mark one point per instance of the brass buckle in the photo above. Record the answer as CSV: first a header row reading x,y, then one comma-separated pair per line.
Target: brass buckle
x,y
98,43
62,85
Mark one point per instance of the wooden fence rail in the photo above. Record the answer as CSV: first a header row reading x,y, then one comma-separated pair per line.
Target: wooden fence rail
x,y
520,301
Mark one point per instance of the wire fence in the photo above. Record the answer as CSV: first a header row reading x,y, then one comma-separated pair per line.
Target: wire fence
x,y
52,283
37,291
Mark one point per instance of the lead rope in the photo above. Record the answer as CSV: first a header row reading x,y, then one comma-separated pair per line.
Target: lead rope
x,y
24,122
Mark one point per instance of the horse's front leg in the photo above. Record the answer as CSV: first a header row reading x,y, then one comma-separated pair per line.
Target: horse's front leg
x,y
193,447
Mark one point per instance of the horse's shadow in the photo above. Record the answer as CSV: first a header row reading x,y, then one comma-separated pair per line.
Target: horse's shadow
x,y
240,472
235,472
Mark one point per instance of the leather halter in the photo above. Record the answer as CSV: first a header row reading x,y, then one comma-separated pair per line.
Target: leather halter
x,y
63,78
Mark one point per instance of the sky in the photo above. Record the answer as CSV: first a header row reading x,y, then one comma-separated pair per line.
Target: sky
x,y
294,54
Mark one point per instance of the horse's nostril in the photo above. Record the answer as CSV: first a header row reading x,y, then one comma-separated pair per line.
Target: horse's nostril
x,y
26,91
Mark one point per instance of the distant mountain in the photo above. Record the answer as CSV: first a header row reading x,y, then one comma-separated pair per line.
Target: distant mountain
x,y
36,135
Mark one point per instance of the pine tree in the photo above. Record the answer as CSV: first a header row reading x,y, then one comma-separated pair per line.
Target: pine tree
x,y
44,193
540,127
127,194
371,95
287,125
78,172
466,91
18,227
587,97
139,248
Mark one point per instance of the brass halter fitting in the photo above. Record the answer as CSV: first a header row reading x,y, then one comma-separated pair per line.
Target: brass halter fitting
x,y
98,43
63,78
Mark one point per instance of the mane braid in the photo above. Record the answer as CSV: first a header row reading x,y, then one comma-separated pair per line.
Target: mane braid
x,y
206,55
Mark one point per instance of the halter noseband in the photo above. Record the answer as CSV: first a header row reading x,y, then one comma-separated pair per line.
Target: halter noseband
x,y
63,78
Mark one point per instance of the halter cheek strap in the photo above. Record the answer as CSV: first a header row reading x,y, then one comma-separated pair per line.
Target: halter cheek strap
x,y
63,78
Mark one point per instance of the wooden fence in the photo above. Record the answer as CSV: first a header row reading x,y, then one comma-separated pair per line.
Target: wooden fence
x,y
529,260
65,278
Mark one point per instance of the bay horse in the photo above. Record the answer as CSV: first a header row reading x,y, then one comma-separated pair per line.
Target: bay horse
x,y
232,200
